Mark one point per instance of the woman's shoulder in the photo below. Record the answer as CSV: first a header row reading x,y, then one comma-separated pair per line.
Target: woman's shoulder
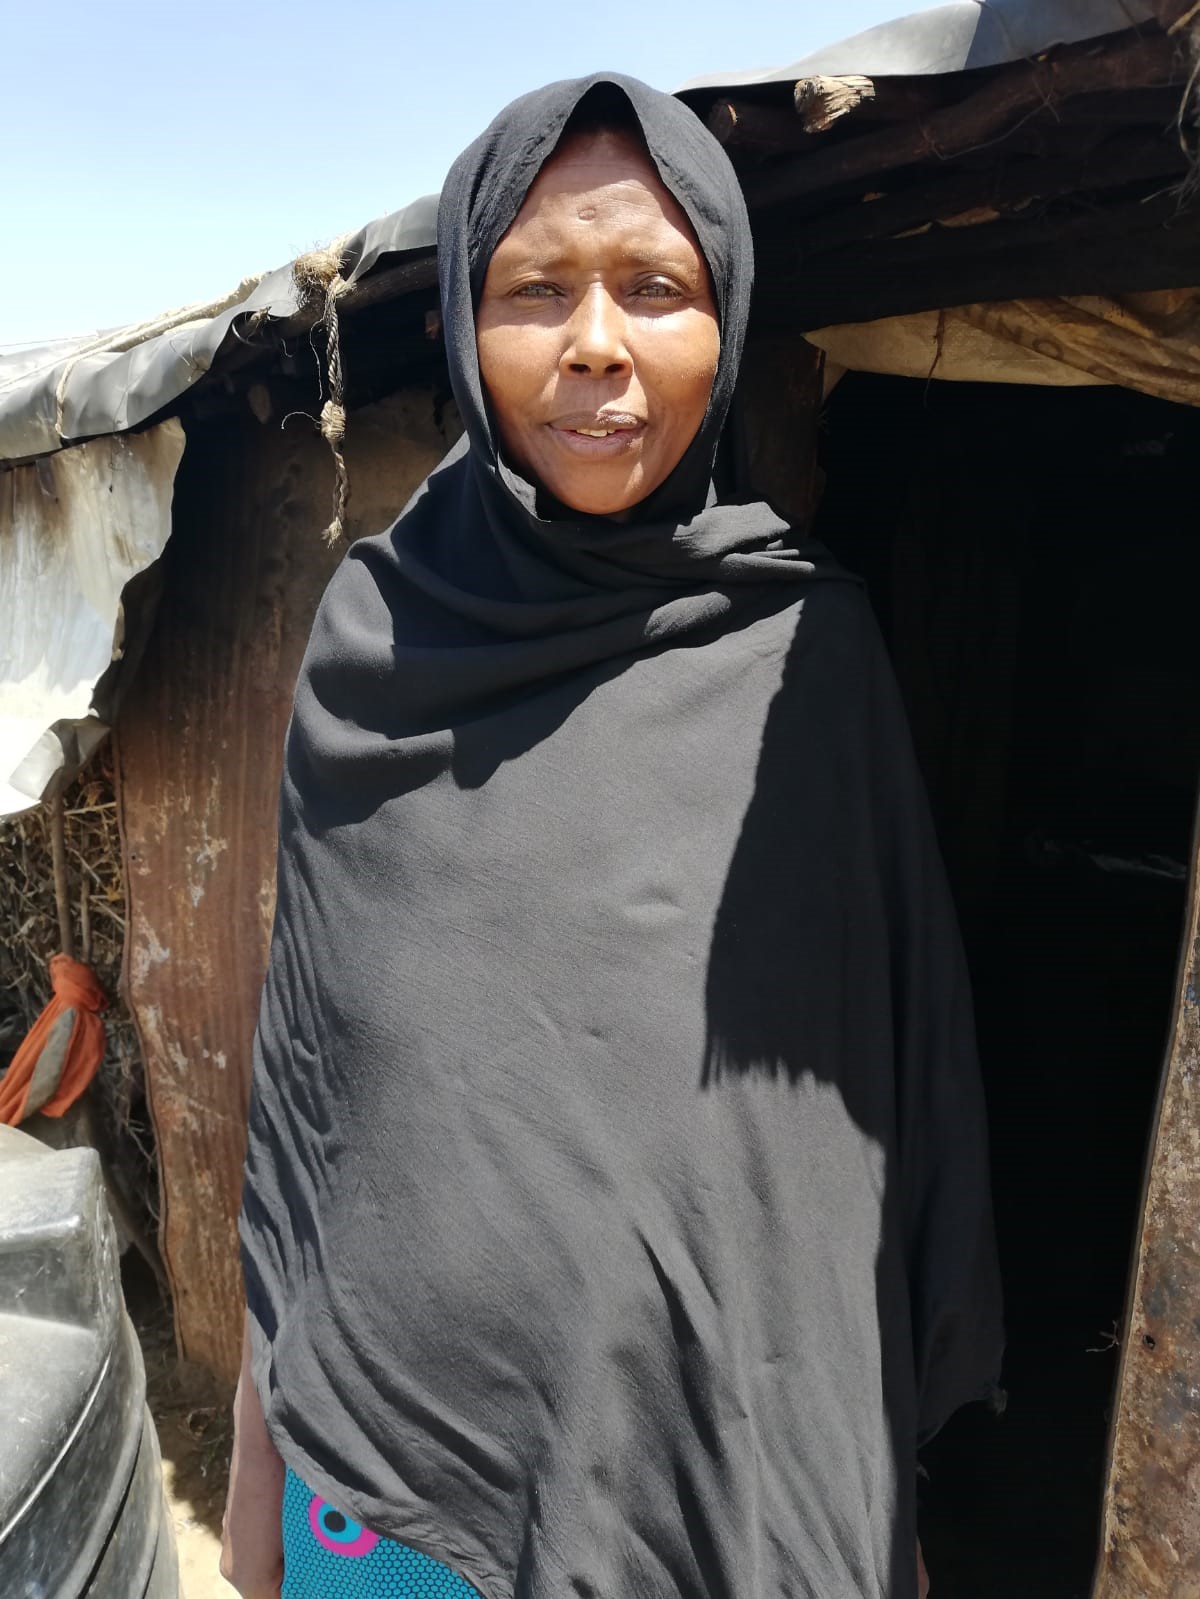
x,y
836,610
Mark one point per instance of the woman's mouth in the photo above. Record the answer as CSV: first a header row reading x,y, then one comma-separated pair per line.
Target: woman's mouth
x,y
609,433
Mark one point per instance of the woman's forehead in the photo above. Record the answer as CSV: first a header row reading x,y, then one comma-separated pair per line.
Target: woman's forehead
x,y
606,179
601,147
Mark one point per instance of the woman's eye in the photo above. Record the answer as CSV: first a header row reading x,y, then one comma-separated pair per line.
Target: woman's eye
x,y
535,291
658,289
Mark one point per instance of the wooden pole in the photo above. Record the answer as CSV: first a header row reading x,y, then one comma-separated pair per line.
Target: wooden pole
x,y
62,894
1140,157
779,401
1176,15
1150,1535
1011,96
1115,249
767,129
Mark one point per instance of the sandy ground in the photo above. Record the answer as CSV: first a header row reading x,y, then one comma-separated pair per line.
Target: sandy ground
x,y
196,1509
192,1414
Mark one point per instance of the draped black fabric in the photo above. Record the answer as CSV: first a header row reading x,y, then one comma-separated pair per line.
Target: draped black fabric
x,y
616,1211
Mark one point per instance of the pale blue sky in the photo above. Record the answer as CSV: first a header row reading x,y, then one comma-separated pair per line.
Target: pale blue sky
x,y
156,153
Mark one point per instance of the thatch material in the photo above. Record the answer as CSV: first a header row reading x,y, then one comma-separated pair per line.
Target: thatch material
x,y
29,935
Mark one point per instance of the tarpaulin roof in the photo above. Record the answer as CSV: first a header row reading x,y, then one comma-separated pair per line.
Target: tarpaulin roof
x,y
951,38
113,382
117,381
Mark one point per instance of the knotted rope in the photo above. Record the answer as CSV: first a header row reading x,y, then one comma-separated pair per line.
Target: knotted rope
x,y
318,278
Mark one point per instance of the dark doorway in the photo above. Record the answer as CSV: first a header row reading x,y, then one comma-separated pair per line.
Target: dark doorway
x,y
1034,560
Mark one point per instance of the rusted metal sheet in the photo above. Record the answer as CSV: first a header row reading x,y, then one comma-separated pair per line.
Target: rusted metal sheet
x,y
1151,1528
199,750
75,528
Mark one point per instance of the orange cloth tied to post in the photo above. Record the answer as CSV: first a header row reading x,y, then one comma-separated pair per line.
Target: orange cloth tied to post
x,y
63,1049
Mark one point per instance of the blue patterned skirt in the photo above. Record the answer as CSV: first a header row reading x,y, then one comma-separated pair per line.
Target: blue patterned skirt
x,y
328,1555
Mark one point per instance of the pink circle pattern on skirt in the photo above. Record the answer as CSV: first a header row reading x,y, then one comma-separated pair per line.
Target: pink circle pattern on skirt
x,y
340,1534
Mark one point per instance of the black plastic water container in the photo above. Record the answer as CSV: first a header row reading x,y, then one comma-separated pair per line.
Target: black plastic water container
x,y
82,1513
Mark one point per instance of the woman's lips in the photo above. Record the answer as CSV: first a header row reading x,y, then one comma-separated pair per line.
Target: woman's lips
x,y
598,436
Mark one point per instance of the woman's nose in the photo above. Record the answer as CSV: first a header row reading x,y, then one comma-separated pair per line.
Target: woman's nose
x,y
596,336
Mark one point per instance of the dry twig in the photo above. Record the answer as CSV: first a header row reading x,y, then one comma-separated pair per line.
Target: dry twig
x,y
30,933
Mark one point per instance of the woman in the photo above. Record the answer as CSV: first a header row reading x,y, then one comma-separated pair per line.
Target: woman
x,y
616,1216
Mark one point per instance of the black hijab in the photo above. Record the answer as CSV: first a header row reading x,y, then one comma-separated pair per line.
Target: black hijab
x,y
616,1210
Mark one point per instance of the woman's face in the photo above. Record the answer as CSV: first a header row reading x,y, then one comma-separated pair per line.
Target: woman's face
x,y
597,329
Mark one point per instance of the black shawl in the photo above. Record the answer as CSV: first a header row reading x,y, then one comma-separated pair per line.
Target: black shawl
x,y
616,1214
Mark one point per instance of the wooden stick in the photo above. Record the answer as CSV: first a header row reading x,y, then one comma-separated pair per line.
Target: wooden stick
x,y
1050,236
1148,244
746,125
85,924
768,128
386,283
779,391
1012,95
91,1131
1175,14
58,854
1156,107
1106,166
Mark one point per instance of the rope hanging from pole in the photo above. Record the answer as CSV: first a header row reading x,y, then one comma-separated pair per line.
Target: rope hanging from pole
x,y
319,280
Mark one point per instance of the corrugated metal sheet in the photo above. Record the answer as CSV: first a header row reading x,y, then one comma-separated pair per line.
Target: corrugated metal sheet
x,y
199,747
74,529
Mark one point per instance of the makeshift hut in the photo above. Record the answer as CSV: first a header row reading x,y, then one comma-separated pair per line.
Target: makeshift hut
x,y
976,362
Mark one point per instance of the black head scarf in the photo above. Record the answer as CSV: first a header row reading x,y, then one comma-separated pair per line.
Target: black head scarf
x,y
615,1215
679,534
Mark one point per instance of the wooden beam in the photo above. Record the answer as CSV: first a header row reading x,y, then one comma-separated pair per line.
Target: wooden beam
x,y
1150,1538
779,400
769,127
1149,244
1157,106
250,344
751,128
1108,165
1012,95
382,284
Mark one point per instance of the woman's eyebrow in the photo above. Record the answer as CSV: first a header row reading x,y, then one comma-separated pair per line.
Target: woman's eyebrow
x,y
519,258
662,258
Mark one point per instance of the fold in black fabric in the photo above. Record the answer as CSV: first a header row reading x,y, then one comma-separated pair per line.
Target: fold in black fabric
x,y
616,1211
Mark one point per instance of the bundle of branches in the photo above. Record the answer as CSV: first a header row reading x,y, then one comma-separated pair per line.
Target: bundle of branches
x,y
30,932
1067,173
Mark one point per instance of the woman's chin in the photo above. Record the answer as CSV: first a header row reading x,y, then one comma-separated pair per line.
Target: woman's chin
x,y
599,499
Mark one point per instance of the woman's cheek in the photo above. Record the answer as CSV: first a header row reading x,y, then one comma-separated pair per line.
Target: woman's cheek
x,y
515,364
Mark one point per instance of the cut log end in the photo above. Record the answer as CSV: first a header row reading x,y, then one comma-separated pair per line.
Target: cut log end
x,y
820,102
